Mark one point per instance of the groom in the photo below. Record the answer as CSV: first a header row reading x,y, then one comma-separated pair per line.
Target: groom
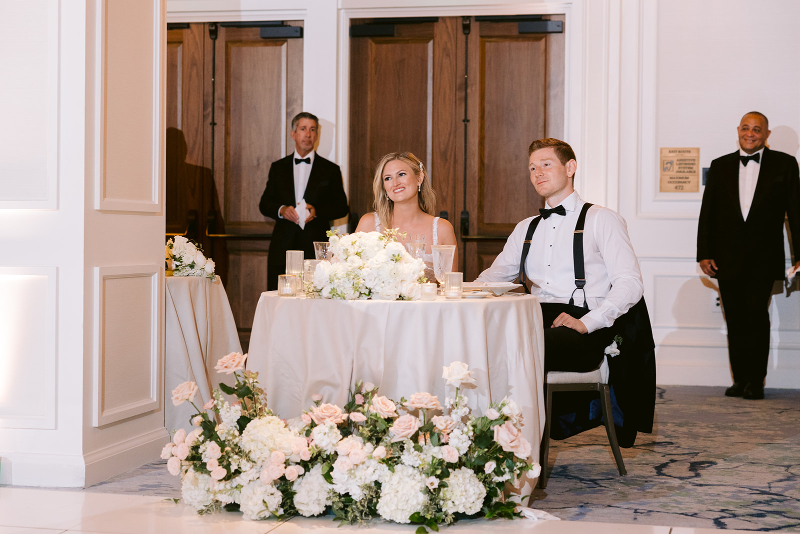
x,y
301,176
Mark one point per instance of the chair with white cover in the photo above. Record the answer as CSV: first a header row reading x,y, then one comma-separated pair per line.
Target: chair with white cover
x,y
596,380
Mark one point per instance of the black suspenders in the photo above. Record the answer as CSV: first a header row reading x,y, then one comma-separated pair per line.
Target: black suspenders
x,y
577,254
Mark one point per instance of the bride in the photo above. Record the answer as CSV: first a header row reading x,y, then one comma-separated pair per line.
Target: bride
x,y
404,199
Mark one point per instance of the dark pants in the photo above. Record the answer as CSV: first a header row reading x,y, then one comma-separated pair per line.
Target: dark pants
x,y
567,350
745,303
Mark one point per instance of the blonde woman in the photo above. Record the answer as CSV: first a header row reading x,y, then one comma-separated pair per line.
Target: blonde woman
x,y
404,199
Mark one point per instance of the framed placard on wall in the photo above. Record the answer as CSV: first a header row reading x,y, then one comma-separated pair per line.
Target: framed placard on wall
x,y
679,170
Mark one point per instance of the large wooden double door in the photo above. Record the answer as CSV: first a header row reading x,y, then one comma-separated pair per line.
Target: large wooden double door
x,y
467,95
231,95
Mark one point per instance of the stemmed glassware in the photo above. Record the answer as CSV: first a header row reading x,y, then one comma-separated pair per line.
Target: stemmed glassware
x,y
442,261
416,245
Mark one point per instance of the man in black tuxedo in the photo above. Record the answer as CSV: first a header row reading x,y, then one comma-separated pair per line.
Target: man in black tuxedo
x,y
740,242
301,176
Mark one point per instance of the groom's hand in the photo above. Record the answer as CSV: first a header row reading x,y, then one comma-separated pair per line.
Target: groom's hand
x,y
312,213
290,214
570,322
709,267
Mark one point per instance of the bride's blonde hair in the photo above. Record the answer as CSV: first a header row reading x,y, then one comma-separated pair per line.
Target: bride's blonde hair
x,y
384,206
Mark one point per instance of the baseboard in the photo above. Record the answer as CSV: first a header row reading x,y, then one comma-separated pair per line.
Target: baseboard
x,y
43,470
671,374
120,457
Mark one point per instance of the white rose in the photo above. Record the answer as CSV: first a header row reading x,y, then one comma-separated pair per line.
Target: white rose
x,y
457,373
209,267
489,467
200,260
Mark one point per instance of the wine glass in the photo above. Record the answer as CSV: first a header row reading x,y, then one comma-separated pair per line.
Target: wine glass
x,y
442,261
416,245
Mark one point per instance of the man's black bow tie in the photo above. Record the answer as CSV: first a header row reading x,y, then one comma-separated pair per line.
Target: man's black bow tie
x,y
547,213
297,161
747,159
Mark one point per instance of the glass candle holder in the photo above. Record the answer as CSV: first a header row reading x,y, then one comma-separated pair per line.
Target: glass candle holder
x,y
453,285
294,262
288,285
428,291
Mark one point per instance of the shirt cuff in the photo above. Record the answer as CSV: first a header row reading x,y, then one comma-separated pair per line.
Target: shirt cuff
x,y
591,323
279,212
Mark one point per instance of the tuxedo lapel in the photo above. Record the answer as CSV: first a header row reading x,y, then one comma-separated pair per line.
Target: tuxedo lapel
x,y
288,182
764,181
313,177
731,171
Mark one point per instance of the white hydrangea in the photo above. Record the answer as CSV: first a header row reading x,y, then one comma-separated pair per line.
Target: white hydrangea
x,y
460,440
196,490
403,493
354,479
230,414
326,437
259,500
312,493
264,435
464,492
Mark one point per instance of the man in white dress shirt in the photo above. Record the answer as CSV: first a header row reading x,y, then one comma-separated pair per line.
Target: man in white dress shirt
x,y
575,338
749,194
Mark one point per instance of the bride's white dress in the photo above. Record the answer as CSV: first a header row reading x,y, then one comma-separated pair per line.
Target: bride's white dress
x,y
427,258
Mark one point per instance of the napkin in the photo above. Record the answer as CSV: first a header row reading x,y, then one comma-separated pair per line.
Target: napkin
x,y
536,515
790,274
302,212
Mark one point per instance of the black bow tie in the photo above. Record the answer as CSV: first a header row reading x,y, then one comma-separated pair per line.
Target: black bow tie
x,y
297,161
547,213
747,159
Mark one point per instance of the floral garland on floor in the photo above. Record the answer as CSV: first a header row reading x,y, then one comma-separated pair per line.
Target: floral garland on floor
x,y
368,265
368,459
187,259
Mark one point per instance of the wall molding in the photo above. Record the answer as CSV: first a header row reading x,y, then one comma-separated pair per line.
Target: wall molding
x,y
101,201
152,402
112,460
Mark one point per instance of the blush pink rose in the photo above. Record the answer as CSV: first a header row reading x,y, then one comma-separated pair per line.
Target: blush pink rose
x,y
379,452
450,454
276,471
492,414
219,473
404,427
181,451
424,401
327,412
306,418
265,478
192,437
343,464
368,386
299,445
358,455
166,452
179,437
292,473
359,398
277,457
212,464
174,466
511,440
345,446
316,397
358,417
445,438
197,420
305,455
184,392
210,404
443,423
213,450
231,363
383,407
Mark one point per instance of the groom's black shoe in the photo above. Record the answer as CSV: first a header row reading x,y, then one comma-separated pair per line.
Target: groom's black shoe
x,y
736,390
753,391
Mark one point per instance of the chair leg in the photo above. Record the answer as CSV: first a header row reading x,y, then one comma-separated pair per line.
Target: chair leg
x,y
543,450
608,419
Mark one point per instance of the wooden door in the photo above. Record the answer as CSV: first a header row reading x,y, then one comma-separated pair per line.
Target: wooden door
x,y
230,100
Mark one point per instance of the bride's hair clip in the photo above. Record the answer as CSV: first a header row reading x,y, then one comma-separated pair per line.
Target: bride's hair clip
x,y
421,168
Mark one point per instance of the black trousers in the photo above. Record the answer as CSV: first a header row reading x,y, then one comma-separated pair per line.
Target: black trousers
x,y
745,303
567,350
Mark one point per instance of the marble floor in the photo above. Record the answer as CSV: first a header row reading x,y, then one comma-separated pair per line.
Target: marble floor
x,y
711,463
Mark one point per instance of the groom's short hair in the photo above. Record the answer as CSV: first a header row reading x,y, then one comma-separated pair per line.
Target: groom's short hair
x,y
563,151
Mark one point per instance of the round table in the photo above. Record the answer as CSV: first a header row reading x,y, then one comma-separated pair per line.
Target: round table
x,y
305,346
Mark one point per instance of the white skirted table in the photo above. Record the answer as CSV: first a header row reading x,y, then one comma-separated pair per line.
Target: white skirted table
x,y
200,330
305,346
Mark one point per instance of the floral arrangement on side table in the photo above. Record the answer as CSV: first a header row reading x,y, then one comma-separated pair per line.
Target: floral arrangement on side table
x,y
187,258
369,265
373,458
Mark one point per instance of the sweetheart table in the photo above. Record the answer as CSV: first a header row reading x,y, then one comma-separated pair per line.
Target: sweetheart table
x,y
305,346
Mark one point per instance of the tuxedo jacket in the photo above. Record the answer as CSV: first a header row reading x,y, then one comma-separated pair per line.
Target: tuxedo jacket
x,y
324,191
752,247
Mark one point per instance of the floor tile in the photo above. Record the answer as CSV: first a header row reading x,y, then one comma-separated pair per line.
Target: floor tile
x,y
26,530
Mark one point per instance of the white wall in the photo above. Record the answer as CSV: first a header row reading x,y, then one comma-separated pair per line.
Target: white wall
x,y
641,74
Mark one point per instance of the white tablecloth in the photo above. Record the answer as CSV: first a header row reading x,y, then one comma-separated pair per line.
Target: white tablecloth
x,y
200,330
304,346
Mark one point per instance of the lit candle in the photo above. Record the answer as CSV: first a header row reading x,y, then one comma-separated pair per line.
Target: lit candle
x,y
428,291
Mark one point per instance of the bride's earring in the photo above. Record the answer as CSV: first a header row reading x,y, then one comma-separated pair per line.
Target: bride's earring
x,y
419,187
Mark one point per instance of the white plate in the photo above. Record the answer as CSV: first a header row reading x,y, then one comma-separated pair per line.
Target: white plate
x,y
475,294
498,288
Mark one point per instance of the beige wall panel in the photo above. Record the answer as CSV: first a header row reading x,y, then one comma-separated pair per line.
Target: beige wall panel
x,y
29,107
126,374
27,347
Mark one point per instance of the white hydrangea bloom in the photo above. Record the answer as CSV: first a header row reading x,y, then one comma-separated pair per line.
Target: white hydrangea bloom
x,y
312,493
196,490
402,494
259,500
326,437
460,440
264,435
230,414
464,492
354,479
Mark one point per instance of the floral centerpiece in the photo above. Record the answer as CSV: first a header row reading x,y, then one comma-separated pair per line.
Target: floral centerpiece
x,y
369,265
407,461
187,259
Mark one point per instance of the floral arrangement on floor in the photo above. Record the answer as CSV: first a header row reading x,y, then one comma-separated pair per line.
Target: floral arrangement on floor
x,y
412,461
187,259
369,265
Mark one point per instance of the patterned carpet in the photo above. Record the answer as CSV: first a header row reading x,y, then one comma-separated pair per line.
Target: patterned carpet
x,y
711,462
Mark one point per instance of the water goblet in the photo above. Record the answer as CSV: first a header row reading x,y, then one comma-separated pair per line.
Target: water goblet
x,y
321,250
442,261
416,245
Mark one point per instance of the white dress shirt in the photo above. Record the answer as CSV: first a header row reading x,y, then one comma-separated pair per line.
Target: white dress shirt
x,y
748,178
301,173
613,279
